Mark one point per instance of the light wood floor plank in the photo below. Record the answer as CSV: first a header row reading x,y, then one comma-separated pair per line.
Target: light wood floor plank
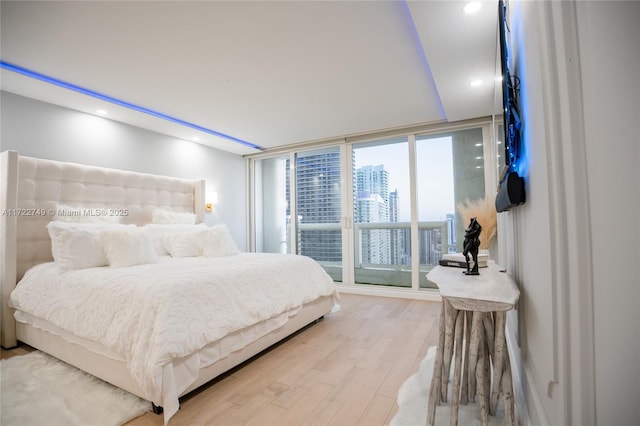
x,y
377,411
304,406
326,410
368,384
300,388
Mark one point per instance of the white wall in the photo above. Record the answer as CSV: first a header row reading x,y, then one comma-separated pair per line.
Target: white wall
x,y
609,35
43,130
574,246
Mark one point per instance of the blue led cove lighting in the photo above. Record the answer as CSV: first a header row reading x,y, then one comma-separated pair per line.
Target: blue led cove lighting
x,y
69,86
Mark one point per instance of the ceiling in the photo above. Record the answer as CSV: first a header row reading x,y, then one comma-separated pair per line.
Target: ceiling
x,y
270,73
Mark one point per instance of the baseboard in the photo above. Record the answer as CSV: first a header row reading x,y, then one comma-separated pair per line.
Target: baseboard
x,y
404,293
528,406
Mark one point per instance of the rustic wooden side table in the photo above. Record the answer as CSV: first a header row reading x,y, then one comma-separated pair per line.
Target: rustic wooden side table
x,y
474,311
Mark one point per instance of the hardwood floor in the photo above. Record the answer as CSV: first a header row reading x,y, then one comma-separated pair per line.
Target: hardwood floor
x,y
344,370
20,350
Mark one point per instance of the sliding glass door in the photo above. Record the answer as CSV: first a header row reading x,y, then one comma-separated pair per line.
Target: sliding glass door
x,y
318,208
436,201
379,213
271,213
297,206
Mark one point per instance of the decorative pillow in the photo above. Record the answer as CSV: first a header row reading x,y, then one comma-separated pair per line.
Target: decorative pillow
x,y
219,242
158,232
186,244
66,213
78,245
167,216
128,248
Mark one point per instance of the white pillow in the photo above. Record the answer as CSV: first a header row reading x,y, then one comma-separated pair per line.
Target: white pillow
x,y
66,213
185,244
128,248
157,232
78,245
219,242
168,216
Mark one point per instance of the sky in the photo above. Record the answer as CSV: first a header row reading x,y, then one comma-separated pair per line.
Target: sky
x,y
434,175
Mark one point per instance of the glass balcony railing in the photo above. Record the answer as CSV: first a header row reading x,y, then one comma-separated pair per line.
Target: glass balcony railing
x,y
382,251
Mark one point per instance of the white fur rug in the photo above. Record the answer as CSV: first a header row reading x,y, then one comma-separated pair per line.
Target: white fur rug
x,y
413,398
37,390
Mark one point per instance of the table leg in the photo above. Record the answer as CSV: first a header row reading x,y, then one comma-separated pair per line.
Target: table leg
x,y
474,346
487,321
434,391
459,329
498,360
464,397
487,372
482,375
451,315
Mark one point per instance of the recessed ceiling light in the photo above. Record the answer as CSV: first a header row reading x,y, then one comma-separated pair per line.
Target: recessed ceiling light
x,y
475,83
102,112
472,7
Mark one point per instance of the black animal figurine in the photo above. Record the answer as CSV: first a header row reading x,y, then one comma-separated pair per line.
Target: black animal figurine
x,y
471,245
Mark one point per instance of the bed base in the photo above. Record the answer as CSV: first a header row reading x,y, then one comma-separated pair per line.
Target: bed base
x,y
156,409
116,372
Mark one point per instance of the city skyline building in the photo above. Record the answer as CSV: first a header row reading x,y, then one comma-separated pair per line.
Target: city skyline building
x,y
451,232
372,206
318,199
399,256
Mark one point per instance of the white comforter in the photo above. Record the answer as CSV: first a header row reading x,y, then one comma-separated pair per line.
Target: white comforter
x,y
151,314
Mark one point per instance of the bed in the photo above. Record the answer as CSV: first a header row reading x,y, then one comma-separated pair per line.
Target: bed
x,y
156,323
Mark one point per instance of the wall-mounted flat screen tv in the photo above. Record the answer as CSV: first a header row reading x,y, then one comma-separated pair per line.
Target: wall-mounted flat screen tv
x,y
511,192
511,115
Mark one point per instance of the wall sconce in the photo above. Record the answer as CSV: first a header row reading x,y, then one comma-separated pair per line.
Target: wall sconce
x,y
211,199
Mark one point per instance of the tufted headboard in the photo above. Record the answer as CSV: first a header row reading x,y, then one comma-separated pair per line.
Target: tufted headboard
x,y
32,188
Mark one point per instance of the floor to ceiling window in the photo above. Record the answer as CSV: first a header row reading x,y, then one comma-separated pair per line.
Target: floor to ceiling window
x,y
271,206
372,213
436,201
318,200
382,213
450,172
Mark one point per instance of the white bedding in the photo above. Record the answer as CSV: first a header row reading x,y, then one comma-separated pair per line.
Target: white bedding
x,y
154,313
